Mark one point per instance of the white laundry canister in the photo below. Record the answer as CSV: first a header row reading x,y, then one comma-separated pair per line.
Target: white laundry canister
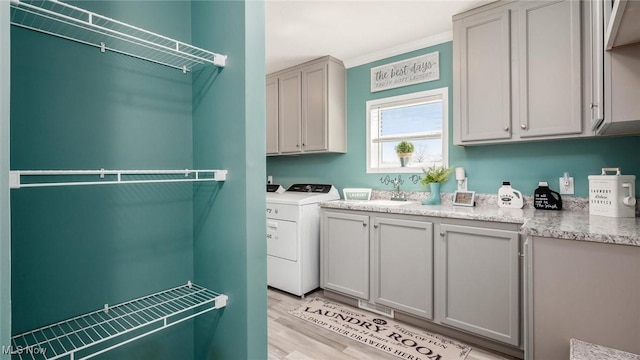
x,y
612,195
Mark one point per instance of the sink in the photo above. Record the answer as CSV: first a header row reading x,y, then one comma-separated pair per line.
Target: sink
x,y
387,202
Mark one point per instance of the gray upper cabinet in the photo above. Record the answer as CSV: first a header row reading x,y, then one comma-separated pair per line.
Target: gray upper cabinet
x,y
314,108
344,253
272,115
619,68
477,269
403,265
289,111
483,76
549,48
518,72
311,108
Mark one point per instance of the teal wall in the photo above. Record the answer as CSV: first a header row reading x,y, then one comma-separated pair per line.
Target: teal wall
x,y
523,164
77,248
5,210
230,225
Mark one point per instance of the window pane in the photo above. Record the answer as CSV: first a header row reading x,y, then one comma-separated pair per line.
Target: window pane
x,y
411,119
417,117
389,156
426,152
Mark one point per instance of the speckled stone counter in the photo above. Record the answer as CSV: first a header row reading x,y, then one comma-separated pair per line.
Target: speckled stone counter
x,y
484,213
581,350
572,225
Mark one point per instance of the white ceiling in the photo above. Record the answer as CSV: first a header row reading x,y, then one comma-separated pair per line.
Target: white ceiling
x,y
355,31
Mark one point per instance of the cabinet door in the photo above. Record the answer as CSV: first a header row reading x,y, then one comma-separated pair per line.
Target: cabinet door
x,y
314,107
403,265
272,115
483,62
478,274
345,253
597,60
289,102
583,290
550,68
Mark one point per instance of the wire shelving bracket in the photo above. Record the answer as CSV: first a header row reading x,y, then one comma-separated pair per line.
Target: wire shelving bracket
x,y
59,19
105,177
75,338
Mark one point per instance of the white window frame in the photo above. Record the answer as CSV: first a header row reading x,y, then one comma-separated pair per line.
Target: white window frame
x,y
442,94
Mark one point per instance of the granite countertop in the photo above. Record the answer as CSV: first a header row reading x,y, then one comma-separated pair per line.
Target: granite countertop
x,y
581,350
485,213
565,224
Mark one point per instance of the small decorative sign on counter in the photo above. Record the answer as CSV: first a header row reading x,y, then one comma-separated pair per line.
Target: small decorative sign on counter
x,y
406,72
545,198
357,193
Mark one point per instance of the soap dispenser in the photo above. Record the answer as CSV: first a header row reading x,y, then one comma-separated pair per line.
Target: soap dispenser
x,y
509,197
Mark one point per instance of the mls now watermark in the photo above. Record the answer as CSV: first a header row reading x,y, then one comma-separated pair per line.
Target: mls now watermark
x,y
23,350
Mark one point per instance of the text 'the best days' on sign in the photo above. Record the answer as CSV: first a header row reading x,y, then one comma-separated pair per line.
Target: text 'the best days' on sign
x,y
406,72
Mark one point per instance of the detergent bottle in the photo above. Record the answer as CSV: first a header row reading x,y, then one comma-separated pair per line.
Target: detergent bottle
x,y
509,197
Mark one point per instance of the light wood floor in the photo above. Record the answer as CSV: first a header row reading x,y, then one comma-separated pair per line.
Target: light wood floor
x,y
292,338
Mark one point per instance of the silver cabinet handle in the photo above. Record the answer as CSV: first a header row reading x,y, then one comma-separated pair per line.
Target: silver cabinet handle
x,y
441,233
523,126
364,224
506,128
375,226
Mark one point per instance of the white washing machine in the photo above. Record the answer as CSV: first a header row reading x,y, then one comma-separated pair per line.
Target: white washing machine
x,y
293,236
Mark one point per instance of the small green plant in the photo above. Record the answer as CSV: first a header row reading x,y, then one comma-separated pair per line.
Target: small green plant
x,y
435,174
404,147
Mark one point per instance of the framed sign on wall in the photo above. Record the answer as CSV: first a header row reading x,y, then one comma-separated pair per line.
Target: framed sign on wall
x,y
406,72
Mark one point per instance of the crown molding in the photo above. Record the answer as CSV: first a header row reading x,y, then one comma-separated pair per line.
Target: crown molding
x,y
399,49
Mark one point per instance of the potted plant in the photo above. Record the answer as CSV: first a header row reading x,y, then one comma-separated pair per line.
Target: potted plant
x,y
404,149
433,177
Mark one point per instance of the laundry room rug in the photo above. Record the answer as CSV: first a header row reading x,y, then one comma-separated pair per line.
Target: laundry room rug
x,y
384,334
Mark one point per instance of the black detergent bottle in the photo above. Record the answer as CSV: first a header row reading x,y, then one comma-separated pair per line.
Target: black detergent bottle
x,y
545,198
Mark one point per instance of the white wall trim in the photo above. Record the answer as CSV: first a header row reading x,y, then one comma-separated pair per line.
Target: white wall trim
x,y
5,205
399,49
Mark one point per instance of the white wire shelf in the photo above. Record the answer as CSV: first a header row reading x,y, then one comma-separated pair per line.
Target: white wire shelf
x,y
59,19
42,178
149,314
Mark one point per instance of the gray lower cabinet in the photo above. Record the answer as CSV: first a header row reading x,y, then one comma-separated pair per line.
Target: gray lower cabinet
x,y
403,265
389,265
478,281
344,253
584,290
463,274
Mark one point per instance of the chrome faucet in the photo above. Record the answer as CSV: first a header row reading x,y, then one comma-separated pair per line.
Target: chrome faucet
x,y
397,195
